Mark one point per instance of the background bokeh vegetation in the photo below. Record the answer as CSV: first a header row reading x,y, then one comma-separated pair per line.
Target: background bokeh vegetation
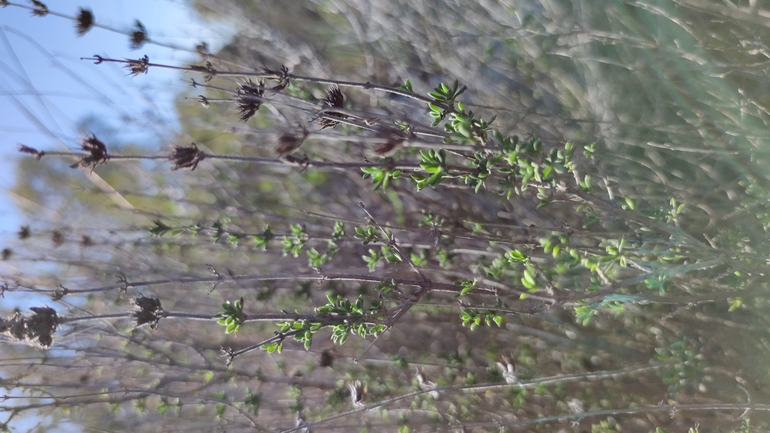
x,y
666,103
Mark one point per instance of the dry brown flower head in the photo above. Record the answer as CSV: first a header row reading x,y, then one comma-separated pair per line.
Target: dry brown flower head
x,y
85,21
40,9
97,153
186,156
138,35
334,99
249,98
138,66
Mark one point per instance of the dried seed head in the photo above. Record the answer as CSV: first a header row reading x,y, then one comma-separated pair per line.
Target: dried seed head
x,y
97,153
57,238
249,98
147,310
60,293
186,157
334,99
40,9
138,35
6,253
85,21
138,66
202,49
24,232
281,76
208,72
36,328
327,358
3,3
41,325
32,151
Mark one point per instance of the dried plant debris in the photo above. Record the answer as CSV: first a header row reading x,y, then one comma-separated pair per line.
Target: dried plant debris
x,y
289,142
147,311
334,99
391,139
357,393
202,49
186,157
97,153
85,21
138,35
24,232
36,328
425,384
298,161
282,78
327,358
249,97
208,72
40,9
57,238
138,66
507,369
31,150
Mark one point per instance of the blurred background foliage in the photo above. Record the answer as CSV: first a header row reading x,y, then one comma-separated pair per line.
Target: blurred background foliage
x,y
675,97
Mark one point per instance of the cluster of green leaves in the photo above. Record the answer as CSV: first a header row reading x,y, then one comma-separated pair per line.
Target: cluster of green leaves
x,y
367,318
261,240
585,311
465,129
231,316
517,163
357,319
686,362
217,231
381,176
315,258
446,96
368,234
294,243
467,286
435,164
473,317
386,254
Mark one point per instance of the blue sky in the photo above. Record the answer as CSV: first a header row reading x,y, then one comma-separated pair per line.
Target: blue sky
x,y
43,95
41,103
